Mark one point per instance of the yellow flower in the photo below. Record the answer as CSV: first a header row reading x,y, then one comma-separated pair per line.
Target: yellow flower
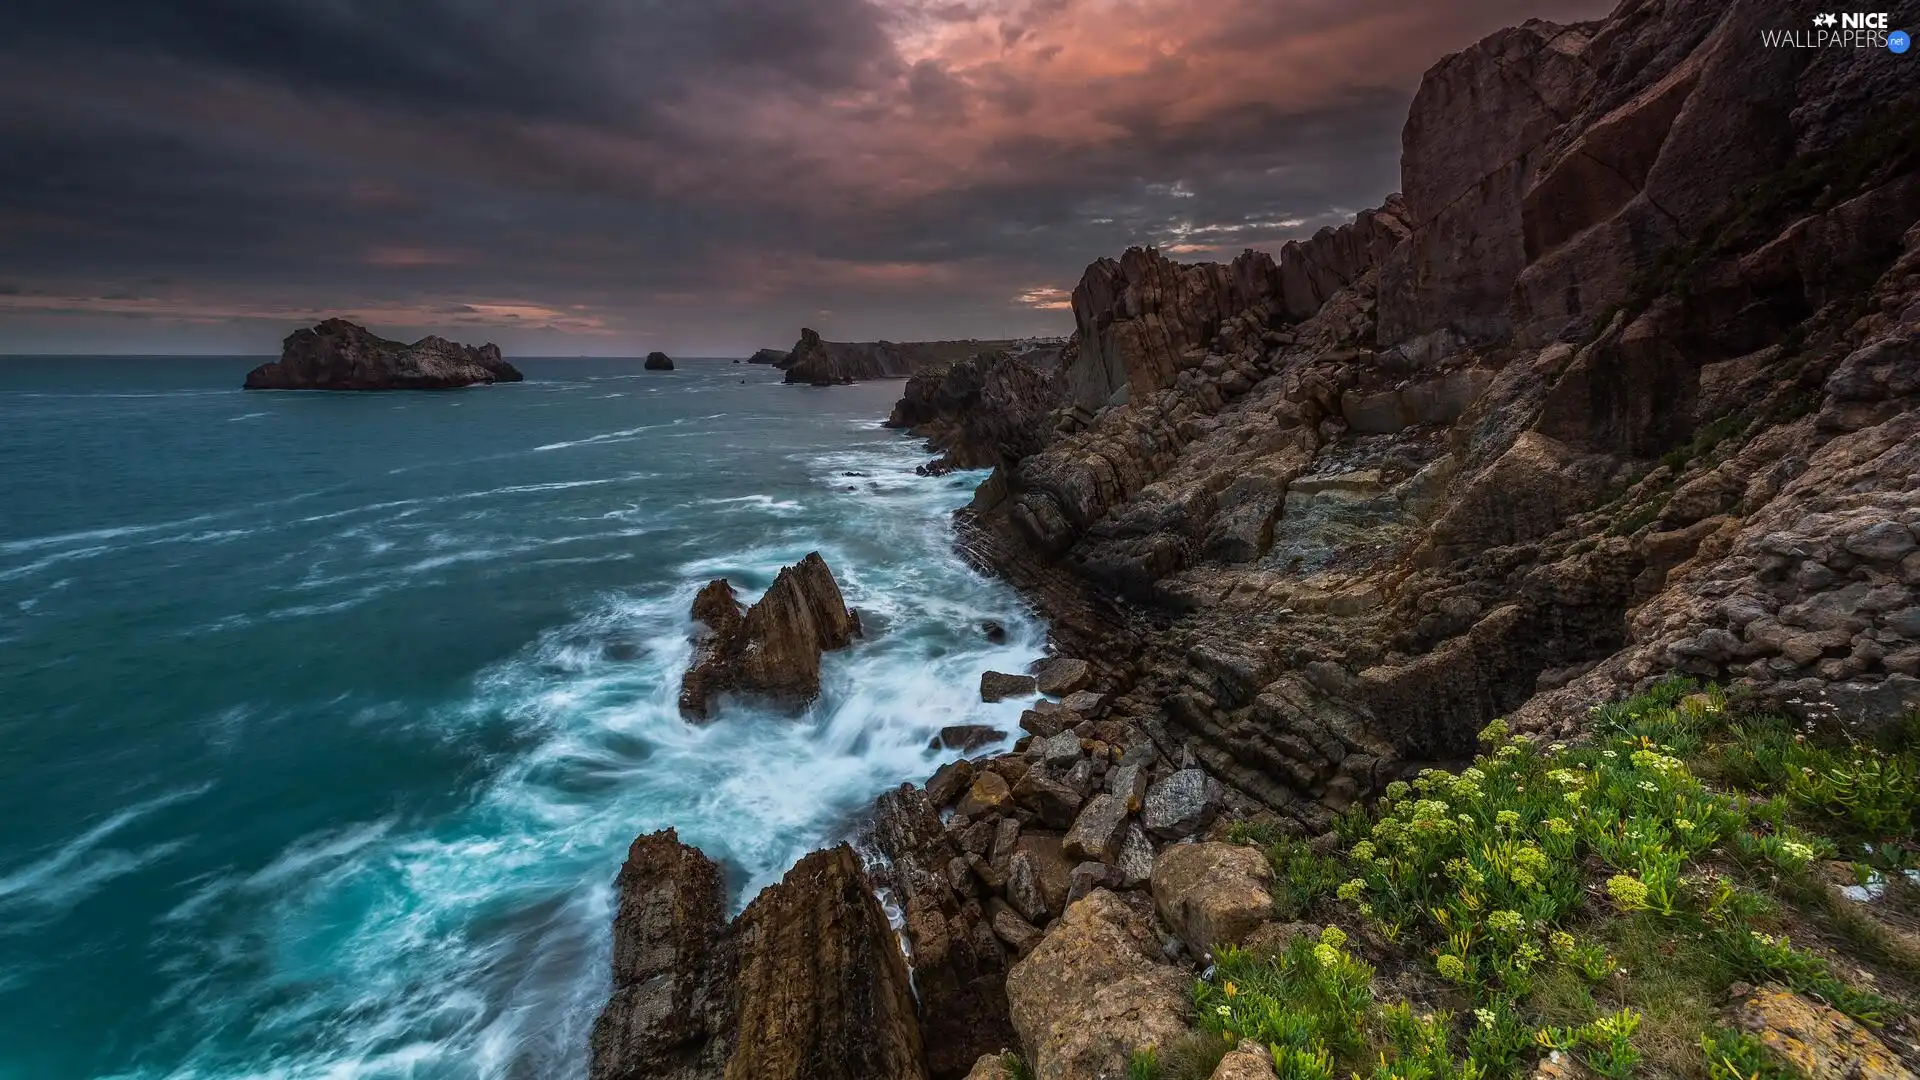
x,y
1230,989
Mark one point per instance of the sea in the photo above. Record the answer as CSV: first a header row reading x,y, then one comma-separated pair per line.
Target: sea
x,y
326,719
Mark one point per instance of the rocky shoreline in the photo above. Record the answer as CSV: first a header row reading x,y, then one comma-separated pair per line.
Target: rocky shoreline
x,y
1625,384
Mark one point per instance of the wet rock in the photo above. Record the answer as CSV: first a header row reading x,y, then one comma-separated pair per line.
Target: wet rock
x,y
1043,725
949,782
1181,805
1815,1041
1064,675
773,649
1212,894
993,631
659,361
999,686
1099,831
339,355
1092,993
965,737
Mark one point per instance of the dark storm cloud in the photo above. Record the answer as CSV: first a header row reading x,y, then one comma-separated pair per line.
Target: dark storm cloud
x,y
705,174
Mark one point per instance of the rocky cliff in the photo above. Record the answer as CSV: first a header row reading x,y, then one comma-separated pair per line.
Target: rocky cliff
x,y
807,984
1622,384
338,355
982,411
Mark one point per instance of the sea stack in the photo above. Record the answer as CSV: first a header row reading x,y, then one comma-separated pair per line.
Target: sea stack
x,y
771,650
659,361
340,355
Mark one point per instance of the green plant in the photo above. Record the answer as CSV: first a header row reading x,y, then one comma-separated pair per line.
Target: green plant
x,y
1736,1055
1144,1065
1016,1066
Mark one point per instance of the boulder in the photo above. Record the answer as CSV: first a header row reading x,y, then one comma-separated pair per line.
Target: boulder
x,y
1135,867
659,361
807,982
1212,894
772,650
1056,802
339,355
1814,1040
1248,1061
949,782
1081,702
999,686
989,793
1099,831
991,1067
1181,805
1092,993
1129,784
1049,870
1064,675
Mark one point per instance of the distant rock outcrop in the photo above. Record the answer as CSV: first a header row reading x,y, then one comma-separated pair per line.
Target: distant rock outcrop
x,y
773,357
773,648
339,355
985,410
817,362
659,361
807,984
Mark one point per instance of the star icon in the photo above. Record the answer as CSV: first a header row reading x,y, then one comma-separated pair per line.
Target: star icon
x,y
1824,20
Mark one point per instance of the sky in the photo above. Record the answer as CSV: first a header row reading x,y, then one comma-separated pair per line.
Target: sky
x,y
608,177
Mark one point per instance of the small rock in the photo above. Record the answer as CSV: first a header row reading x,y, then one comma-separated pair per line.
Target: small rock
x,y
1129,784
1080,777
989,792
1054,802
1249,1061
1063,676
1887,541
1041,725
1062,750
1005,835
1023,888
977,838
1009,927
1099,831
965,737
1135,867
1182,804
1083,702
1087,877
993,631
1212,894
999,686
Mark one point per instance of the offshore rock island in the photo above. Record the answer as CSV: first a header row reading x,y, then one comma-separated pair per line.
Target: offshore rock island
x,y
339,355
1622,389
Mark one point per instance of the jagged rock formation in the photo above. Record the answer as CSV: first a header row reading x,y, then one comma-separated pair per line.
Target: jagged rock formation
x,y
773,357
339,355
772,649
807,984
1609,393
826,363
659,361
988,409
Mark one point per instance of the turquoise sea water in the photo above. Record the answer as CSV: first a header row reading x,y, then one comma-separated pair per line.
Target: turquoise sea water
x,y
325,719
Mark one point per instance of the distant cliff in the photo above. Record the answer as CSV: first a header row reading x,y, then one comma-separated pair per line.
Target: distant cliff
x,y
339,355
827,363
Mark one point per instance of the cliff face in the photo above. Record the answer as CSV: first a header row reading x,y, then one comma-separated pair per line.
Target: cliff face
x,y
338,355
773,648
807,984
990,408
1636,348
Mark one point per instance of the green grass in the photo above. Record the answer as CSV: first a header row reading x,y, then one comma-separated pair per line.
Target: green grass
x,y
1596,899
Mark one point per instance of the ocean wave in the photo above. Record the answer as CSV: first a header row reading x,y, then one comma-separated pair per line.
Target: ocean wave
x,y
83,865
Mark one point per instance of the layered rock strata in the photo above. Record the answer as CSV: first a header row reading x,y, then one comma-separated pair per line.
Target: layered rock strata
x,y
772,649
